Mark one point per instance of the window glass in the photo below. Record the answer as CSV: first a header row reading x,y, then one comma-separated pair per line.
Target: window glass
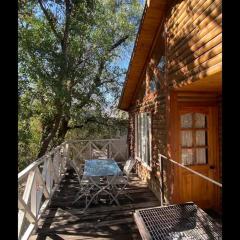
x,y
200,120
194,138
143,146
200,138
187,156
153,85
186,120
161,64
187,140
201,155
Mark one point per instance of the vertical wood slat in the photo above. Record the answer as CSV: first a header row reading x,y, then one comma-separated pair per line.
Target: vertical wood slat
x,y
53,170
61,169
25,199
42,184
48,176
56,164
44,171
33,204
39,193
110,148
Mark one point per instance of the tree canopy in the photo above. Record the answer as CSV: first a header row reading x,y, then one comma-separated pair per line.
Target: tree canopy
x,y
69,72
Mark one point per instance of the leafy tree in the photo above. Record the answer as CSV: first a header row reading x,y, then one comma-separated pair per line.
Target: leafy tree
x,y
68,72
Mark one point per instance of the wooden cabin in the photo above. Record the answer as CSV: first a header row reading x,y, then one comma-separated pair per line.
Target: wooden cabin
x,y
173,92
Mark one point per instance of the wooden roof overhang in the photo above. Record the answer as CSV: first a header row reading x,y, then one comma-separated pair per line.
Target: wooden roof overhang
x,y
150,22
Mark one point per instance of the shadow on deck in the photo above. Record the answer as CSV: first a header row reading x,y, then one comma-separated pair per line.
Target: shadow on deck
x,y
62,220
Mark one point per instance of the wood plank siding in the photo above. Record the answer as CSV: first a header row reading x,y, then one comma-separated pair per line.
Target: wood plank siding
x,y
194,40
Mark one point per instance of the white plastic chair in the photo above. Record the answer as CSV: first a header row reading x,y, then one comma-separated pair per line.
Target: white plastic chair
x,y
120,182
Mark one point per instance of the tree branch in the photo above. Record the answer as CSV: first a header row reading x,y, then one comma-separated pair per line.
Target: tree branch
x,y
115,45
66,29
88,120
50,20
118,43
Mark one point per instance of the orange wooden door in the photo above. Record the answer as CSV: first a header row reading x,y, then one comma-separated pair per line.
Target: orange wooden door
x,y
198,150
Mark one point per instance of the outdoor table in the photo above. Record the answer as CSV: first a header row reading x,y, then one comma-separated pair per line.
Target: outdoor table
x,y
179,221
101,168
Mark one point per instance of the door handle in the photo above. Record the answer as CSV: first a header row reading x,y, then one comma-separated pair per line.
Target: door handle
x,y
212,167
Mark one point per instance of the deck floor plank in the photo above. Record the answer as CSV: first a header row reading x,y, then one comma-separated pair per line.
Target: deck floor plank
x,y
64,221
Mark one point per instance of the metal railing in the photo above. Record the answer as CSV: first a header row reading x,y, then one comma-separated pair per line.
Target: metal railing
x,y
160,159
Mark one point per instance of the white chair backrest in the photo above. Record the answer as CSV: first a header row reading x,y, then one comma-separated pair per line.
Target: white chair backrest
x,y
129,166
77,169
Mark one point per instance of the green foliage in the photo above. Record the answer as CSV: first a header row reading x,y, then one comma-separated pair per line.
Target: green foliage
x,y
68,73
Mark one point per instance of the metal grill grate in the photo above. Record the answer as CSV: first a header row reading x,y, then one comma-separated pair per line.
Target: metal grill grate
x,y
182,221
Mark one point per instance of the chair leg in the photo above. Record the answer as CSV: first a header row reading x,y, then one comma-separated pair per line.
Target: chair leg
x,y
128,196
120,191
77,198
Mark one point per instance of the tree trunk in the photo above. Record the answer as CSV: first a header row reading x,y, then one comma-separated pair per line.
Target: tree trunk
x,y
48,136
63,128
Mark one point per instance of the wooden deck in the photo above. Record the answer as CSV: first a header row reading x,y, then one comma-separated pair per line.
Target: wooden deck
x,y
62,220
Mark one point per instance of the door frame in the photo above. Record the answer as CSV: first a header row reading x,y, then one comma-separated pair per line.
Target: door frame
x,y
198,100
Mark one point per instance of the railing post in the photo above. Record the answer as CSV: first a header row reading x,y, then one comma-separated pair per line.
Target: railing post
x,y
65,157
161,179
90,149
162,174
110,149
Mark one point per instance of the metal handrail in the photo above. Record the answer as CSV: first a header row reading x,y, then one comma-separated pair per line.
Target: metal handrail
x,y
161,156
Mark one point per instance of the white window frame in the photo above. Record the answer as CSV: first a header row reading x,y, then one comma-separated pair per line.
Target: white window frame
x,y
141,120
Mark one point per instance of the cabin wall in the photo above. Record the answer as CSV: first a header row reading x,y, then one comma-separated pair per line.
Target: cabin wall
x,y
158,145
194,40
155,103
190,38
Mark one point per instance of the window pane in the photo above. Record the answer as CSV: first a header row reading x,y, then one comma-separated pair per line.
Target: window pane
x,y
143,137
187,156
186,120
200,120
149,140
201,156
187,139
139,135
152,85
201,138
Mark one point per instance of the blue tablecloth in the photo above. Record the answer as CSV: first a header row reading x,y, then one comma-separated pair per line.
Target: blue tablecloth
x,y
101,167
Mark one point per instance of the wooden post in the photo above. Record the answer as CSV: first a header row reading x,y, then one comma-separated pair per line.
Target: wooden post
x,y
90,149
162,179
